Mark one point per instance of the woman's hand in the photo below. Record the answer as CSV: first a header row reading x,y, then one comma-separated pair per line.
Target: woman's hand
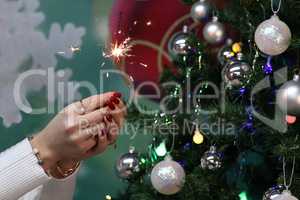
x,y
83,129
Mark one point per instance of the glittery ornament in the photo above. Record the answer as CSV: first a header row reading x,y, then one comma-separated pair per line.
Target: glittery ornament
x,y
201,10
127,165
237,72
273,36
273,192
211,159
168,177
214,31
288,97
178,44
286,195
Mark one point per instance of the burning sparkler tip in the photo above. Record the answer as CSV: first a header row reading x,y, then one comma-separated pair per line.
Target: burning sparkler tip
x,y
118,51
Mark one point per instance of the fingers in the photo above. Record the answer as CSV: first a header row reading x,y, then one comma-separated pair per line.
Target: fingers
x,y
118,115
88,133
95,117
98,101
113,131
101,145
123,108
89,144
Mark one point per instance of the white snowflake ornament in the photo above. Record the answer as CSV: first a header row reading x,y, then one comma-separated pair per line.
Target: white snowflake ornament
x,y
24,48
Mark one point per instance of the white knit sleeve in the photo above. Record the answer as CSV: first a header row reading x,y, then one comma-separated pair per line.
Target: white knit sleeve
x,y
54,189
19,171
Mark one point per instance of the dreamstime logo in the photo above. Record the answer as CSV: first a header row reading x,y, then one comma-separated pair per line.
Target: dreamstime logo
x,y
67,92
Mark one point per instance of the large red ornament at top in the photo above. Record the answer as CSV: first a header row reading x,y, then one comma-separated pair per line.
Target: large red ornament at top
x,y
149,24
144,21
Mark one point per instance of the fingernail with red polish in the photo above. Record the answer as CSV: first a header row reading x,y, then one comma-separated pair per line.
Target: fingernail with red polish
x,y
111,106
109,118
115,100
117,94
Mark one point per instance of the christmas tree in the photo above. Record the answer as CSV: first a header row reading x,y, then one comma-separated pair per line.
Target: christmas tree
x,y
227,128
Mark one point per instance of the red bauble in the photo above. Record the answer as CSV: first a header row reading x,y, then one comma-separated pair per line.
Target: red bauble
x,y
146,21
150,21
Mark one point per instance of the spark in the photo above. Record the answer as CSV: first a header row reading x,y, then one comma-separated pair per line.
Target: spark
x,y
143,64
74,48
108,197
131,78
118,51
149,23
119,32
135,22
107,75
102,65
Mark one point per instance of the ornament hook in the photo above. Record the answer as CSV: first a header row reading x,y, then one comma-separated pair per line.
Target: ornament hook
x,y
278,8
287,186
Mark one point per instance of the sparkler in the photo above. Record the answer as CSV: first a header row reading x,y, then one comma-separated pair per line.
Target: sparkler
x,y
72,48
118,51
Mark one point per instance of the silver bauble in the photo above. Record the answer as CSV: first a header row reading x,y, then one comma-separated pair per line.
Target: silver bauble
x,y
178,44
286,195
237,72
288,97
273,192
168,177
201,10
273,36
211,159
127,165
214,31
225,52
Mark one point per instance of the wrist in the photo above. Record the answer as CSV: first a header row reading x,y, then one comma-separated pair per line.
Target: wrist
x,y
46,154
64,169
68,164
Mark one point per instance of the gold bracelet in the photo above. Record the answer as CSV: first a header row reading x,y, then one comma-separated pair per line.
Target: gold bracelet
x,y
68,172
63,173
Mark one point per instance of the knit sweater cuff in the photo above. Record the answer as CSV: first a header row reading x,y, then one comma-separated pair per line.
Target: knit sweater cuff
x,y
20,171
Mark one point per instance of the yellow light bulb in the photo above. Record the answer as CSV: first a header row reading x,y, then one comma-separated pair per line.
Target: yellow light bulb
x,y
198,137
237,47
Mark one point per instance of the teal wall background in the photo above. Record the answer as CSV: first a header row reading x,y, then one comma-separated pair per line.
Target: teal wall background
x,y
97,177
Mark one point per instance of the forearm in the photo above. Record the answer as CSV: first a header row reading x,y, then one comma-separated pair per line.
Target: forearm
x,y
20,171
59,189
54,189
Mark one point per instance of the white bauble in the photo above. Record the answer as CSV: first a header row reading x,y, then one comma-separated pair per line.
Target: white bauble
x,y
127,165
168,177
178,44
201,10
286,195
288,97
273,36
214,31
